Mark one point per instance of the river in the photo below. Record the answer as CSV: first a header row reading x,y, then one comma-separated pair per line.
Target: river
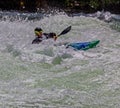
x,y
47,75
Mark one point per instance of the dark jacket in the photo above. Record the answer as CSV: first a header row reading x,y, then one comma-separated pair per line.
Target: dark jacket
x,y
44,37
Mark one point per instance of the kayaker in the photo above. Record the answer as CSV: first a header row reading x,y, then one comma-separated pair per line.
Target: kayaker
x,y
42,36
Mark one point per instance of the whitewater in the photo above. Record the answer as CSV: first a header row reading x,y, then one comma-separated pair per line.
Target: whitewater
x,y
47,75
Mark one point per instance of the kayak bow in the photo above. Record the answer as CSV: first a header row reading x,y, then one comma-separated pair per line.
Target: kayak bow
x,y
83,45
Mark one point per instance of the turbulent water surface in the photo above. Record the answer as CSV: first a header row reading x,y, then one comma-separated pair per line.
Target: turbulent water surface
x,y
47,75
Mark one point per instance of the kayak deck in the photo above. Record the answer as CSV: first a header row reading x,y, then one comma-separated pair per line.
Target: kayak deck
x,y
83,45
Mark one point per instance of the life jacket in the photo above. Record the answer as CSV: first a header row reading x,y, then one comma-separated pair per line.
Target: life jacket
x,y
43,37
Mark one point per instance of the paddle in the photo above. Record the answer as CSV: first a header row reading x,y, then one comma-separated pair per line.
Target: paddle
x,y
65,31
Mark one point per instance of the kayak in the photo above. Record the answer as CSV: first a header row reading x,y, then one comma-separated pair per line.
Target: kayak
x,y
83,45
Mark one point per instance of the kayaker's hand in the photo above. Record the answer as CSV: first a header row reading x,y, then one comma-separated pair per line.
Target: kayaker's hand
x,y
55,38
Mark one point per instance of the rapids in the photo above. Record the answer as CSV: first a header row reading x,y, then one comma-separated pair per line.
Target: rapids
x,y
51,76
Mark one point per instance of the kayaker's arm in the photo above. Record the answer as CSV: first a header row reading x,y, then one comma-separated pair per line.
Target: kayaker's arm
x,y
36,40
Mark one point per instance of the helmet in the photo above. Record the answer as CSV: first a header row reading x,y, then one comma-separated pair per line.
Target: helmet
x,y
38,29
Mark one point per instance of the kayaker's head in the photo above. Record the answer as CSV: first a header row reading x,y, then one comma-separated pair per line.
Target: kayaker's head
x,y
38,32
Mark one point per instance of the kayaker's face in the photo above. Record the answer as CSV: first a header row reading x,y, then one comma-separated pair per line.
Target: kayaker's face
x,y
38,33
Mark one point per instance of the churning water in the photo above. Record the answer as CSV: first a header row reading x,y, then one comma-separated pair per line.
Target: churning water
x,y
47,75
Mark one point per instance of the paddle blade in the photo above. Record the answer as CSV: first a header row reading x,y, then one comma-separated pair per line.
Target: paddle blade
x,y
65,31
